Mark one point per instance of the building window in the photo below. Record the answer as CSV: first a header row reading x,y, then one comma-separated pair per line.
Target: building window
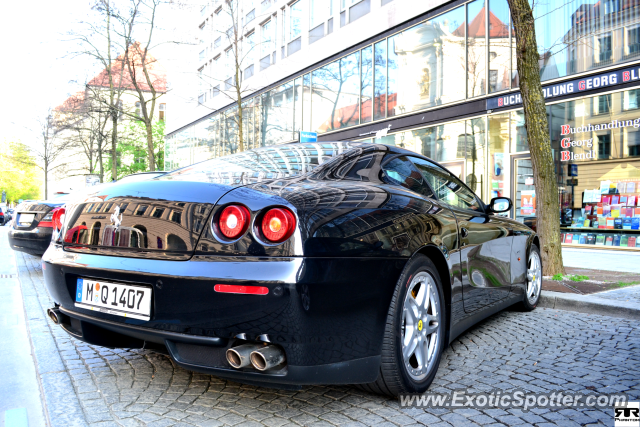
x,y
250,47
633,41
215,91
321,10
493,80
162,112
264,6
601,104
201,56
295,20
630,99
604,146
633,143
266,44
605,52
138,108
250,16
157,212
216,44
176,216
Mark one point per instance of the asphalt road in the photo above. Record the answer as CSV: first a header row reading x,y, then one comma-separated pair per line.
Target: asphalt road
x,y
539,351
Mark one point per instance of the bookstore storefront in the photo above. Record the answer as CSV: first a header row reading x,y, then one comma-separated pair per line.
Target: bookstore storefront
x,y
596,146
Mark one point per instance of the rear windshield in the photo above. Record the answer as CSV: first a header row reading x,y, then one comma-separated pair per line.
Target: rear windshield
x,y
274,162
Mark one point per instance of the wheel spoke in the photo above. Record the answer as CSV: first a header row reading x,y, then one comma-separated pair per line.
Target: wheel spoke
x,y
430,328
421,294
410,347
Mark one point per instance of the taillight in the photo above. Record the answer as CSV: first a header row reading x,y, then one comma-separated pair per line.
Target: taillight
x,y
234,221
58,217
278,224
47,221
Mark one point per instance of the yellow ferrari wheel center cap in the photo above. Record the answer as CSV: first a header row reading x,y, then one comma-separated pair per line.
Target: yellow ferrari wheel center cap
x,y
419,325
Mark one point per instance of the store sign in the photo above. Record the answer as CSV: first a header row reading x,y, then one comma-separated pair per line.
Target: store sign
x,y
308,136
573,86
568,142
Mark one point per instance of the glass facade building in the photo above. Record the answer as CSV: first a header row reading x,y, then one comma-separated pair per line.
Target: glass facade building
x,y
447,87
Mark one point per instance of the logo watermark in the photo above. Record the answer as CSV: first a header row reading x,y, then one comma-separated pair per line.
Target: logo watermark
x,y
514,399
627,415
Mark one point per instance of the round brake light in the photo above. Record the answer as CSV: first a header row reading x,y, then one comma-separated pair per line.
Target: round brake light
x,y
234,221
278,224
57,218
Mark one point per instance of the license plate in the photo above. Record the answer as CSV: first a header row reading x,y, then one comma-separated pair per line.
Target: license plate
x,y
25,219
114,298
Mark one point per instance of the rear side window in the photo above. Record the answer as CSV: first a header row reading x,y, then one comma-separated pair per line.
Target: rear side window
x,y
400,171
448,188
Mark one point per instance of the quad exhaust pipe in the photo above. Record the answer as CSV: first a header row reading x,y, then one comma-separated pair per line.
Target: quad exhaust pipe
x,y
261,357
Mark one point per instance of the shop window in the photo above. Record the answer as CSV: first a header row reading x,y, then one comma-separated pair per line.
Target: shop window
x,y
380,81
476,48
499,43
604,146
393,78
335,98
366,91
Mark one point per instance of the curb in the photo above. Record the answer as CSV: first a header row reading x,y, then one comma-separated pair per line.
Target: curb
x,y
589,304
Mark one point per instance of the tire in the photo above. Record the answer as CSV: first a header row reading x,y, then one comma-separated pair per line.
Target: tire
x,y
533,288
399,374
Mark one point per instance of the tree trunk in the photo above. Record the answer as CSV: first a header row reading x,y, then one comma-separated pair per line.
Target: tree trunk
x,y
535,114
46,180
152,158
101,167
114,143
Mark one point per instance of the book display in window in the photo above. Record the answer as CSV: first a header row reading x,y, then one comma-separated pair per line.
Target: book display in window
x,y
613,210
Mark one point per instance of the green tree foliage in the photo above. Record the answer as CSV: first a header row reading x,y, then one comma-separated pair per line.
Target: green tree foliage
x,y
19,175
132,148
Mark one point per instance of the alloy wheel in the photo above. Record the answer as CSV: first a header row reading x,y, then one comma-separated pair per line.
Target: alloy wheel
x,y
421,322
534,277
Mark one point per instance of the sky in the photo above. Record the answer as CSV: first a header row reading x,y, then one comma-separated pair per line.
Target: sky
x,y
41,68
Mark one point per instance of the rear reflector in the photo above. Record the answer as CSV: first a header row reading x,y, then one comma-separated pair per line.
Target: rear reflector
x,y
236,289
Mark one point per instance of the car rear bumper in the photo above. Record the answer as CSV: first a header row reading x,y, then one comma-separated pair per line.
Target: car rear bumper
x,y
327,314
35,241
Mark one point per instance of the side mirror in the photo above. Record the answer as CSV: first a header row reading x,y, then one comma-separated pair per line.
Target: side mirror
x,y
500,204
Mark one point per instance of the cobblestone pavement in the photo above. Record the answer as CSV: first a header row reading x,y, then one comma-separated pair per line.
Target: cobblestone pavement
x,y
629,294
538,351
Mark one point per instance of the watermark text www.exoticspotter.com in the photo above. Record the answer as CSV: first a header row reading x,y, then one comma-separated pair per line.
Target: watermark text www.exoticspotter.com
x,y
519,399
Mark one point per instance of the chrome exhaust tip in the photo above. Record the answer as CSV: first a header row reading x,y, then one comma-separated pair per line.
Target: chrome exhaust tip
x,y
240,356
54,315
267,357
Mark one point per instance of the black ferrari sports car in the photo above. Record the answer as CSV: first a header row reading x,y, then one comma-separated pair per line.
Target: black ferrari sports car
x,y
304,263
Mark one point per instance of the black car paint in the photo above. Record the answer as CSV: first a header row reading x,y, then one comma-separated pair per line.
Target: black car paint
x,y
33,239
330,284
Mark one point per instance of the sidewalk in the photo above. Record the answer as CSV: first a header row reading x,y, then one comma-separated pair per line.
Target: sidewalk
x,y
596,297
625,261
20,393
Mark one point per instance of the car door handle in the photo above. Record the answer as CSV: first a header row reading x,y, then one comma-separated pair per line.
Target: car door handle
x,y
464,233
